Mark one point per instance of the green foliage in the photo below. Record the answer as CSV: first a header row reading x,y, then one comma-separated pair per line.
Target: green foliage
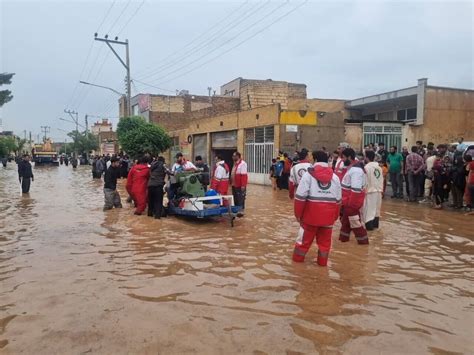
x,y
5,95
10,145
83,142
138,137
67,148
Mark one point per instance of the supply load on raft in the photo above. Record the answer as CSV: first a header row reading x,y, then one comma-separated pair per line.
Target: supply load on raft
x,y
192,200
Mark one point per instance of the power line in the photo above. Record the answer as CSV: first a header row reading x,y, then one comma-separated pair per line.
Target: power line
x,y
119,16
153,86
106,15
89,54
131,17
214,36
238,44
185,65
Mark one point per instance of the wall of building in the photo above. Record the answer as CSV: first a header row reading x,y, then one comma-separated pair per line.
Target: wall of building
x,y
327,132
448,114
353,135
257,93
262,116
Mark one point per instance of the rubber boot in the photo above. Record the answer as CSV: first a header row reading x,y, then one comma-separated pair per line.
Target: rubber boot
x,y
376,222
369,225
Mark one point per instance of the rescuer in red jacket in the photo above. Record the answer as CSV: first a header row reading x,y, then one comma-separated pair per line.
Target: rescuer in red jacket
x,y
220,177
137,184
353,195
317,202
239,178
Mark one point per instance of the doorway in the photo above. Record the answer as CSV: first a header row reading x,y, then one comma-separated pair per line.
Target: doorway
x,y
226,155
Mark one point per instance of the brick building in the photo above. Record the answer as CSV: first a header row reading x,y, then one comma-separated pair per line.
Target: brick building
x,y
401,117
258,118
101,126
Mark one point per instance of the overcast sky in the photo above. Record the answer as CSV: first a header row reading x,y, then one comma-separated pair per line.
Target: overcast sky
x,y
339,49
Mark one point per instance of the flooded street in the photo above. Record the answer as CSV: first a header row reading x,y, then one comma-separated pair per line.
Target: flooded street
x,y
76,280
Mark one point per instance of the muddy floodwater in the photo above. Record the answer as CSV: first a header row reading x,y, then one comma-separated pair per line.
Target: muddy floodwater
x,y
76,280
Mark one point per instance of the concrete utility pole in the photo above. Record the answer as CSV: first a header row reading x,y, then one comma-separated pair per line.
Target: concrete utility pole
x,y
76,121
87,124
45,130
126,64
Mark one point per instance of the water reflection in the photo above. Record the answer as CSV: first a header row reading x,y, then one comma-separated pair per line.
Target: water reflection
x,y
76,279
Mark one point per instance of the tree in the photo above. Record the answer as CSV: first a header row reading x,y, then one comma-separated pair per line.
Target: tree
x,y
83,142
137,137
5,95
8,145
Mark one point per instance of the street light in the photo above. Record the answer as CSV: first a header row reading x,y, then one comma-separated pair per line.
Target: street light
x,y
103,87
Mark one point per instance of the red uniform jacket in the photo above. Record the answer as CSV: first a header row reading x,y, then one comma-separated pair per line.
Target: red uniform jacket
x,y
220,178
239,174
353,188
318,197
296,173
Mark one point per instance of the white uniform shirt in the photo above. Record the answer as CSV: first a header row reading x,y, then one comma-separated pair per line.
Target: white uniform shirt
x,y
374,177
178,168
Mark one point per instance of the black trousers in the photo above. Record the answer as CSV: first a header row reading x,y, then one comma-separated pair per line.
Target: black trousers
x,y
239,197
155,201
25,185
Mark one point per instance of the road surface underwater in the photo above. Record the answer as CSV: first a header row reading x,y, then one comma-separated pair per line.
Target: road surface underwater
x,y
76,280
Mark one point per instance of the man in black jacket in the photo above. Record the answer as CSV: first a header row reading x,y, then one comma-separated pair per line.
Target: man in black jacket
x,y
25,174
204,177
158,172
111,195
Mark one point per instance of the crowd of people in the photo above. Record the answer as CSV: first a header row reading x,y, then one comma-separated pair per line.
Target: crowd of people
x,y
350,187
149,178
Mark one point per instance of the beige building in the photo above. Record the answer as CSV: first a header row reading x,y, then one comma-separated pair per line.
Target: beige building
x,y
402,117
101,126
270,116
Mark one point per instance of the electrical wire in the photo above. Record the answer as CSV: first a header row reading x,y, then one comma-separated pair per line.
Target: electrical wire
x,y
106,15
238,44
119,16
131,17
256,23
152,86
230,27
213,28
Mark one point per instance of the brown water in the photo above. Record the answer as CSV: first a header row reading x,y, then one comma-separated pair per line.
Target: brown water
x,y
76,280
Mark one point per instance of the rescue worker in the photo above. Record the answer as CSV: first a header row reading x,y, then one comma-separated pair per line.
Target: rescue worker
x,y
181,165
317,204
374,191
239,179
220,176
137,182
66,160
298,170
340,169
25,174
353,194
111,195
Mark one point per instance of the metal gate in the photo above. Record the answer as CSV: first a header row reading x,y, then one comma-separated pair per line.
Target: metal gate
x,y
259,157
200,146
259,150
389,134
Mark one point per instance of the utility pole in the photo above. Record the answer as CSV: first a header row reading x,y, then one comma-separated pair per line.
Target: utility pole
x,y
45,130
76,121
125,63
87,125
24,132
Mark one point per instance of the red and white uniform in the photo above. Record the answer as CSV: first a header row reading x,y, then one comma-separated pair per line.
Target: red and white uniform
x,y
185,165
340,169
317,203
220,178
239,176
296,173
353,194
